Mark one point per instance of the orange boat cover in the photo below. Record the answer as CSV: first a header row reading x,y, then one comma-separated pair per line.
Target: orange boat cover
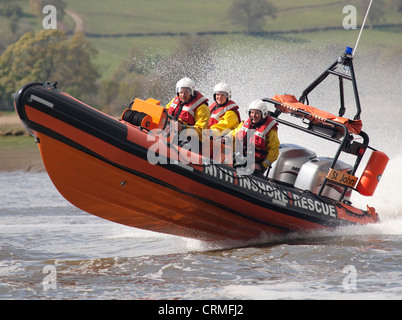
x,y
289,103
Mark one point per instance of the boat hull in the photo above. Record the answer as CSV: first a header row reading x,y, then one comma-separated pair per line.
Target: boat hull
x,y
100,165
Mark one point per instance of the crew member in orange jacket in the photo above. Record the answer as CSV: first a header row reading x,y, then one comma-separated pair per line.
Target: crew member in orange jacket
x,y
264,137
225,114
189,107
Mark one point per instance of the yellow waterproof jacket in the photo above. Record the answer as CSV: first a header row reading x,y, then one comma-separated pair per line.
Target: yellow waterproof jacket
x,y
201,118
227,122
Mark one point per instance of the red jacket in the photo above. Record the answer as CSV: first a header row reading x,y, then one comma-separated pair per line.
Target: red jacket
x,y
220,111
258,139
187,111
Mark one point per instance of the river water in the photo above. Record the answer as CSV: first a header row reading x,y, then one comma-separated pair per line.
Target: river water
x,y
52,250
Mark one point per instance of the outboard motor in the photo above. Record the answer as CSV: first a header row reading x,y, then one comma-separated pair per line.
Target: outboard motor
x,y
313,173
291,158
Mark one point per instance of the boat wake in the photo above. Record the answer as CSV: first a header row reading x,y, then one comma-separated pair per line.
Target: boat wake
x,y
387,201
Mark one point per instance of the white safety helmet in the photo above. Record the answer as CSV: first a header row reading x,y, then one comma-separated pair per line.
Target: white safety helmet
x,y
185,83
258,105
223,87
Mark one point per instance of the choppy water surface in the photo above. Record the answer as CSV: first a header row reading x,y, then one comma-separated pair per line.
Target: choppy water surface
x,y
52,250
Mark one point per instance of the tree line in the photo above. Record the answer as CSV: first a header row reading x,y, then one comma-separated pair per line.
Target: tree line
x,y
52,55
49,55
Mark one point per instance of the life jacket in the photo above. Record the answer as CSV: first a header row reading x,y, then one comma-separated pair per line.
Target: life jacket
x,y
258,139
185,112
218,112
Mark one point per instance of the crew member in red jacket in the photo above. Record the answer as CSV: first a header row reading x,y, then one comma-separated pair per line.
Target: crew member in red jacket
x,y
259,131
189,108
225,114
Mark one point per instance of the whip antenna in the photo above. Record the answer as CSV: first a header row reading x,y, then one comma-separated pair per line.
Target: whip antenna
x,y
361,29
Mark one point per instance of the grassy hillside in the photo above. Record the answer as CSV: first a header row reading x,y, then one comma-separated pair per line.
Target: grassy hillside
x,y
121,17
125,16
176,16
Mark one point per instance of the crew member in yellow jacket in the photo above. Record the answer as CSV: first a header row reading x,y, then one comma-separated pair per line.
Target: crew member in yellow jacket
x,y
258,131
225,114
189,108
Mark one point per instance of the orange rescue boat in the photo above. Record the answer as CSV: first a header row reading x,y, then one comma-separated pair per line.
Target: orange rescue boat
x,y
102,165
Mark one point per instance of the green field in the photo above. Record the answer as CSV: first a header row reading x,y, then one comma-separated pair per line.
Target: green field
x,y
294,18
18,142
121,17
125,16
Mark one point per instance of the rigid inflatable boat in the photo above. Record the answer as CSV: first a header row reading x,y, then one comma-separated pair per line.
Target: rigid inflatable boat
x,y
104,166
